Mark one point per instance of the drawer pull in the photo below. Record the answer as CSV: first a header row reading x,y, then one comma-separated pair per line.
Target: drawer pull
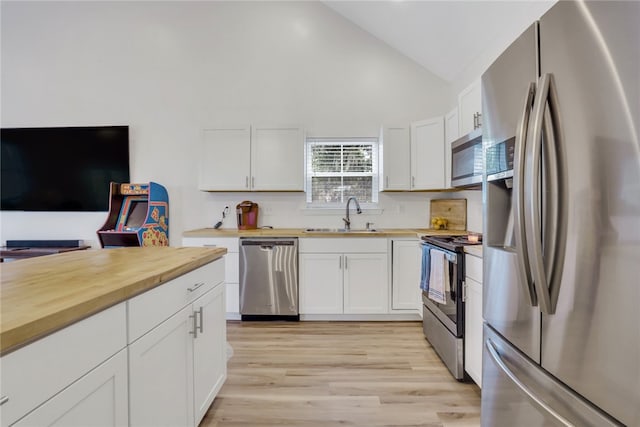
x,y
4,399
195,287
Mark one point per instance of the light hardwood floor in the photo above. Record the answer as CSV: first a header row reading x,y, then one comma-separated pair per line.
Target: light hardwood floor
x,y
339,374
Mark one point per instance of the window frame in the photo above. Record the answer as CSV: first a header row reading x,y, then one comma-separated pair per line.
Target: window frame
x,y
342,141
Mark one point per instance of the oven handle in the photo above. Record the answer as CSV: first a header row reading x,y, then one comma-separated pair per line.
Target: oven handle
x,y
452,257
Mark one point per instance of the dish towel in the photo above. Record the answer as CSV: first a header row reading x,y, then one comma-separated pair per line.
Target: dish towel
x,y
426,266
438,277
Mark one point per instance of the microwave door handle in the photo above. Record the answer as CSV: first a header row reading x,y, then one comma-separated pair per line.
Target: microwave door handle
x,y
518,197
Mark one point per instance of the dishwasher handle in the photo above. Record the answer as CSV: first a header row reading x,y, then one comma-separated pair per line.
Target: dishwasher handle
x,y
267,243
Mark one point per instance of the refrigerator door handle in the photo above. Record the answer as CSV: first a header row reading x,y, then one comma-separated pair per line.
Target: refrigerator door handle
x,y
518,194
546,121
539,402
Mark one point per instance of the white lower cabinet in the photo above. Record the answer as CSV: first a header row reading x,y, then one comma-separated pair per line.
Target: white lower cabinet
x,y
161,374
473,318
405,278
354,281
178,366
209,350
97,399
231,265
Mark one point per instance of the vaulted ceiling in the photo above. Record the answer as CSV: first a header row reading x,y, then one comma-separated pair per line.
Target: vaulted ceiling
x,y
445,37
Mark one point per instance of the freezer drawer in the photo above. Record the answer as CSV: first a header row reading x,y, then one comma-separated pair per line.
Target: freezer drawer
x,y
517,392
268,277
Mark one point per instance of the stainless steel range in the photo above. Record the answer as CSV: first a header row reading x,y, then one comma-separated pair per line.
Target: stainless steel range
x,y
442,283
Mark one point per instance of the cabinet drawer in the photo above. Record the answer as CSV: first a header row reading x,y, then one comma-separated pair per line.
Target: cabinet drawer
x,y
33,374
343,245
154,306
473,266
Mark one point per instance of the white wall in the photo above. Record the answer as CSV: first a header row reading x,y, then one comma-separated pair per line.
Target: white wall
x,y
521,14
170,69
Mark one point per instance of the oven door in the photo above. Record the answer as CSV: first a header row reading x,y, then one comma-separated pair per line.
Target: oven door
x,y
450,313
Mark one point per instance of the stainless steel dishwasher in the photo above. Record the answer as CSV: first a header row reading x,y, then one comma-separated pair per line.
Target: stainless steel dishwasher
x,y
269,278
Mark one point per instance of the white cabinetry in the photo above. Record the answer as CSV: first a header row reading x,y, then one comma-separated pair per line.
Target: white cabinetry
x,y
52,383
97,399
470,108
427,154
343,276
405,282
396,158
252,158
181,344
473,318
451,133
231,268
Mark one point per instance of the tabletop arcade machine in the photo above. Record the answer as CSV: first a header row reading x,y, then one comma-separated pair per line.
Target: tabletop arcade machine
x,y
138,216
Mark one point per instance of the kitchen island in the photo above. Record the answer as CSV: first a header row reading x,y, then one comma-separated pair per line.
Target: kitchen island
x,y
102,336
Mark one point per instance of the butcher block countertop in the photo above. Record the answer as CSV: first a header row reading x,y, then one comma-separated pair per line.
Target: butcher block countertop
x,y
300,232
42,295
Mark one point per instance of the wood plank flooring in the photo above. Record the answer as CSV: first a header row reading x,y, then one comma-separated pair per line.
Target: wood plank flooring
x,y
339,374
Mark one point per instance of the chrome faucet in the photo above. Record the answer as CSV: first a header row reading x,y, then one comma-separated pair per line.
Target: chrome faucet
x,y
347,221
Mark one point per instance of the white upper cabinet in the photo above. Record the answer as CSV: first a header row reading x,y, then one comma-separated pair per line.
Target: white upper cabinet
x,y
225,159
451,133
470,108
427,154
252,158
277,158
396,158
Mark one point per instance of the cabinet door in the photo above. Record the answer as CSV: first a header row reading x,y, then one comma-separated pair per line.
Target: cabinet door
x,y
97,399
366,289
451,129
405,291
161,374
396,158
427,154
209,349
225,159
470,105
473,330
321,283
277,158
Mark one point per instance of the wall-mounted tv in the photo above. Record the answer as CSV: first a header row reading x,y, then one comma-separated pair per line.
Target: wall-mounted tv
x,y
62,168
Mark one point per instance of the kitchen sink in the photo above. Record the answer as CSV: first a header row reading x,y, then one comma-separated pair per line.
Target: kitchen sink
x,y
339,230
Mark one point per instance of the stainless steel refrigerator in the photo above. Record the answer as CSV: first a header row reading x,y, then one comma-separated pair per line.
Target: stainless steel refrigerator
x,y
561,293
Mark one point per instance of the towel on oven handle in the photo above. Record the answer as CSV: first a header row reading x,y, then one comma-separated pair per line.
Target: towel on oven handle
x,y
426,266
438,276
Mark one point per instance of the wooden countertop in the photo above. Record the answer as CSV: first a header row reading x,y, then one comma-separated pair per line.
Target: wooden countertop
x,y
300,232
42,295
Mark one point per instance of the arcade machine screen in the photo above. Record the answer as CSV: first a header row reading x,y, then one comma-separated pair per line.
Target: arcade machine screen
x,y
137,214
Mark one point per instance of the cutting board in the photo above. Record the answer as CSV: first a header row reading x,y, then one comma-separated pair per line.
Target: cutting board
x,y
454,210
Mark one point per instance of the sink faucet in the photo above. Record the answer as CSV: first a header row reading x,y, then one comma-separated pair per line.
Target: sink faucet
x,y
347,221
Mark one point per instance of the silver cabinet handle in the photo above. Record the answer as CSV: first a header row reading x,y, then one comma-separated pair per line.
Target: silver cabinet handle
x,y
475,123
201,313
496,358
246,182
195,287
253,182
386,182
340,262
195,325
345,262
522,257
413,181
4,399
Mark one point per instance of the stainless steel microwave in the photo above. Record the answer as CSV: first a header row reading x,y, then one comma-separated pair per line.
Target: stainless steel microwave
x,y
466,160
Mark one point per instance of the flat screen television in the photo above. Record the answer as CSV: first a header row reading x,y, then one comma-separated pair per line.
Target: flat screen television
x,y
62,168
